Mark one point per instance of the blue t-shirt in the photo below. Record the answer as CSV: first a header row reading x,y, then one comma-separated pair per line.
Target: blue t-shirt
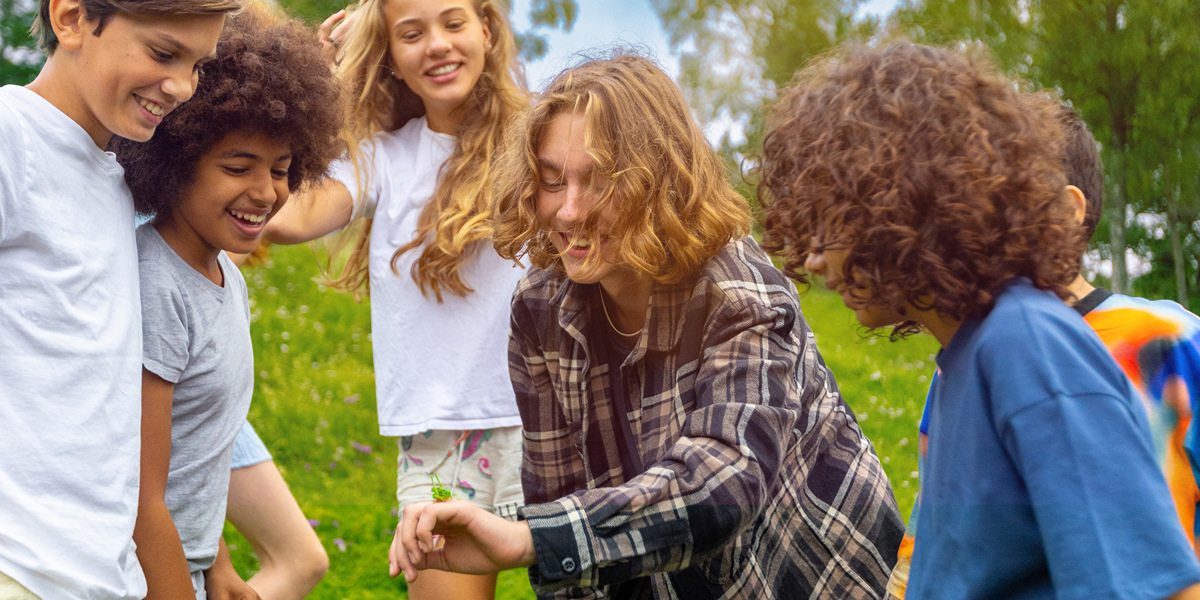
x,y
1041,480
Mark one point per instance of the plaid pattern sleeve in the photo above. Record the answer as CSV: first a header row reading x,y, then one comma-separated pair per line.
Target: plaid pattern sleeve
x,y
757,483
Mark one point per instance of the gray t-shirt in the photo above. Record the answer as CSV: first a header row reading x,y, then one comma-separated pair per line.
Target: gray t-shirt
x,y
196,334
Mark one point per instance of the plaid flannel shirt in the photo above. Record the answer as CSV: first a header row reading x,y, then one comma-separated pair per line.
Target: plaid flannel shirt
x,y
758,482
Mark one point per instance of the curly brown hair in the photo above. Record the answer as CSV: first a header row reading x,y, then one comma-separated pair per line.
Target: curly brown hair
x,y
935,173
268,77
674,204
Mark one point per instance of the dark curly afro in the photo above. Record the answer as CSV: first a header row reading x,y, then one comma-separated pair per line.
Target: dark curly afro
x,y
268,77
939,177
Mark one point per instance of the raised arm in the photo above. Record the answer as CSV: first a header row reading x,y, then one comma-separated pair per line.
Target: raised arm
x,y
311,214
159,549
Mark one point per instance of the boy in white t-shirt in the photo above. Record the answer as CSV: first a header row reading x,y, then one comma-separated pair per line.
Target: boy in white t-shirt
x,y
70,323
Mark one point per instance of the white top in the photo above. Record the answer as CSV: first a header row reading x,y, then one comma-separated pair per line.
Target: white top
x,y
196,335
437,366
70,359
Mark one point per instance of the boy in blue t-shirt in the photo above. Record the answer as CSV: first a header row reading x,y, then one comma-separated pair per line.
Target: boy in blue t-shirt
x,y
929,192
1155,342
70,319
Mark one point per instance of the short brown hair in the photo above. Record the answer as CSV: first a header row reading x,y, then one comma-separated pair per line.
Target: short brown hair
x,y
675,208
102,11
933,171
268,76
1082,166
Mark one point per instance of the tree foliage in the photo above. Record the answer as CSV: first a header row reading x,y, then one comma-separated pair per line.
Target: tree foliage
x,y
733,55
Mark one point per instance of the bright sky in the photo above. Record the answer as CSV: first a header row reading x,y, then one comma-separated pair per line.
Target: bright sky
x,y
605,22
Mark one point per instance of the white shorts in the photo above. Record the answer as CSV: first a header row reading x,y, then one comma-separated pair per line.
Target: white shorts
x,y
482,466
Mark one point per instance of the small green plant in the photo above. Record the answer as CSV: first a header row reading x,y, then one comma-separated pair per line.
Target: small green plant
x,y
440,493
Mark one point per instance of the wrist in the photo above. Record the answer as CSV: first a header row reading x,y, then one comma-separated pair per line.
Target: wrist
x,y
528,555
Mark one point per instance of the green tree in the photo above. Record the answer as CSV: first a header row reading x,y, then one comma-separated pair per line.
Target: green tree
x,y
734,54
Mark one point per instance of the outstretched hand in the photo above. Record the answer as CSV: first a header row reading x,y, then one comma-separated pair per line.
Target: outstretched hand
x,y
459,537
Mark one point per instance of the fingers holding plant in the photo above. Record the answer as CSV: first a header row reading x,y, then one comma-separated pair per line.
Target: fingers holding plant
x,y
457,536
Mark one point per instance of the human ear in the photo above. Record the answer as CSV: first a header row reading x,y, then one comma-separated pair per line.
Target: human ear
x,y
68,20
487,35
1078,203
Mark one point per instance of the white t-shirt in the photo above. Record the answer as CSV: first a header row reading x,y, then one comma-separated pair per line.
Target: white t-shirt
x,y
437,366
70,359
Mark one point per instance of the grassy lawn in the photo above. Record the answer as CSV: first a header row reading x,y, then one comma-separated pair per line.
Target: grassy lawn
x,y
314,406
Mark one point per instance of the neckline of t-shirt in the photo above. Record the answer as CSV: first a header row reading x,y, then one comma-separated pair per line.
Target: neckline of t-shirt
x,y
79,136
219,291
434,134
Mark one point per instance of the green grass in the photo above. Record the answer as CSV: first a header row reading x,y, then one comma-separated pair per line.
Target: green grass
x,y
314,406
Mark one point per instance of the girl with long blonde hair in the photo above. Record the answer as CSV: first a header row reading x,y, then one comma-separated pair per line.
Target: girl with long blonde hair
x,y
430,87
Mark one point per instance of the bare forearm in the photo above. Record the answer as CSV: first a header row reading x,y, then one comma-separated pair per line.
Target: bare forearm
x,y
312,214
160,552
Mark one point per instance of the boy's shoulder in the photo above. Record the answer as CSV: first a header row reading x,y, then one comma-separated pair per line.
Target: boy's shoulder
x,y
1022,310
1026,324
1032,340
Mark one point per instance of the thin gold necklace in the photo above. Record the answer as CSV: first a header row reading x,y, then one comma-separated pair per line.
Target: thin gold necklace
x,y
613,325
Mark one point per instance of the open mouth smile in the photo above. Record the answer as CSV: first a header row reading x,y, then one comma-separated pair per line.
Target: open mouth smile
x,y
249,218
153,108
445,69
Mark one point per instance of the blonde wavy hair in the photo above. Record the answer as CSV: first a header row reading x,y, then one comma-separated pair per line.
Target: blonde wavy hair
x,y
456,218
675,208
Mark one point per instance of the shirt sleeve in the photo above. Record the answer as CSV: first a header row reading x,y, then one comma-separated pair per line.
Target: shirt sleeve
x,y
1099,499
710,486
360,174
165,340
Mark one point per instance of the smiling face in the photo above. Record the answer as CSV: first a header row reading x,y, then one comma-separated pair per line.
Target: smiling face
x,y
829,263
563,201
240,183
438,47
137,70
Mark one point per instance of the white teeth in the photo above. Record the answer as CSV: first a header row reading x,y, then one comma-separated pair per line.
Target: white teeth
x,y
442,70
248,217
579,243
154,109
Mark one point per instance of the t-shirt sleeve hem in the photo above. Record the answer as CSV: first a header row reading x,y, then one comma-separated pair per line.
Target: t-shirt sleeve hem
x,y
169,374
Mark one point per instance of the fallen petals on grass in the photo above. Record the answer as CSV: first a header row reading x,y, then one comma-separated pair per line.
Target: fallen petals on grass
x,y
365,449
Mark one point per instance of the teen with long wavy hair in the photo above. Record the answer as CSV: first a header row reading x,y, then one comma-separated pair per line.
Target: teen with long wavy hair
x,y
683,438
431,85
928,191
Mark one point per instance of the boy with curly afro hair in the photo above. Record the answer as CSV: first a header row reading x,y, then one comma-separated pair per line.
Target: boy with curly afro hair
x,y
928,191
264,123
